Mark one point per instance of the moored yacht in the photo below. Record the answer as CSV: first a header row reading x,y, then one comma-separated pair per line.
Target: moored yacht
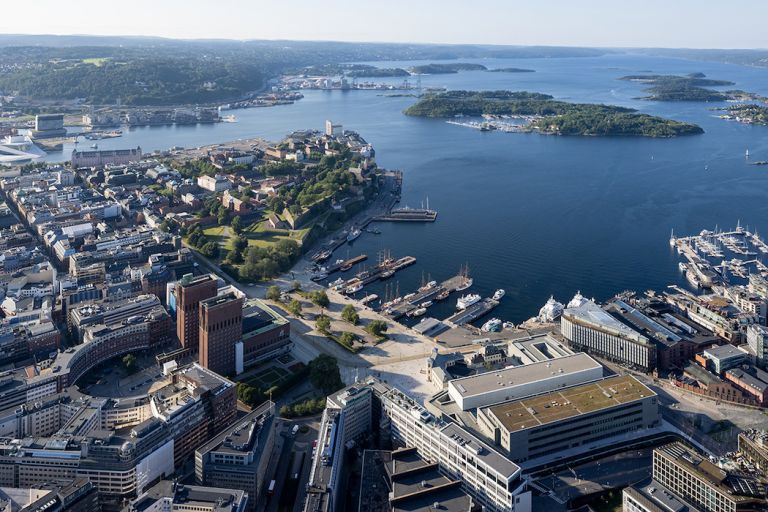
x,y
353,234
467,300
492,325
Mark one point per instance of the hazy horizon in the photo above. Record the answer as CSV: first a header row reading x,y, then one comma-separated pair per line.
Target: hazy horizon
x,y
685,24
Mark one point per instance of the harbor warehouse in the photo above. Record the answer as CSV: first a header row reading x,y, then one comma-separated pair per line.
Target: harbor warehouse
x,y
556,421
516,382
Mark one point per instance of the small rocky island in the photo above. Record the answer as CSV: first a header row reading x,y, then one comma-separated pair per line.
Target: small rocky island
x,y
693,87
512,70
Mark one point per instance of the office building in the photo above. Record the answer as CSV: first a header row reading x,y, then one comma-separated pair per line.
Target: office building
x,y
589,328
72,495
651,496
492,480
88,314
401,481
333,130
720,358
190,291
695,479
167,496
753,445
266,335
221,327
567,418
757,339
123,445
515,382
238,457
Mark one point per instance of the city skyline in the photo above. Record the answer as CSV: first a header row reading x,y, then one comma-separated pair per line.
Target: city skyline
x,y
598,23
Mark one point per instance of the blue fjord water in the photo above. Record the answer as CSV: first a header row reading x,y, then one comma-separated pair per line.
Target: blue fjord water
x,y
536,215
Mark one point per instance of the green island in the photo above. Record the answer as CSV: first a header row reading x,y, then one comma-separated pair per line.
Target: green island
x,y
549,116
693,87
512,70
352,70
375,72
444,69
747,114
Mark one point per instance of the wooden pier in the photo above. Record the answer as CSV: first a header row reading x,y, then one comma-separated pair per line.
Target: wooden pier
x,y
352,261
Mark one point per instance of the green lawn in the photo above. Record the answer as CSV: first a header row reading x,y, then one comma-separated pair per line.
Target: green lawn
x,y
98,61
268,378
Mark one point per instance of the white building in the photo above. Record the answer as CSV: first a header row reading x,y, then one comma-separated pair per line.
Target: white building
x,y
18,149
757,338
333,130
215,183
516,382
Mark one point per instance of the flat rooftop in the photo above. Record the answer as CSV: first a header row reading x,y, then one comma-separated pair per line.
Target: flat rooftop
x,y
725,351
518,375
568,403
655,497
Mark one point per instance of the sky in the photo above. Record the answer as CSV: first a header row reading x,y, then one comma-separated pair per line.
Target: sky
x,y
623,23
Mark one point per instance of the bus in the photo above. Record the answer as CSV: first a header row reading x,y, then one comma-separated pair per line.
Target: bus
x,y
271,488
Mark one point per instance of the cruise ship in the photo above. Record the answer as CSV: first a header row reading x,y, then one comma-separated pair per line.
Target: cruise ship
x,y
19,149
467,300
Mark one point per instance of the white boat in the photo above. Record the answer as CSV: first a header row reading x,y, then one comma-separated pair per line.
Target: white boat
x,y
369,298
417,312
683,267
467,300
509,325
467,283
428,286
318,277
426,304
409,296
353,289
492,325
339,261
499,294
336,283
354,234
550,311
